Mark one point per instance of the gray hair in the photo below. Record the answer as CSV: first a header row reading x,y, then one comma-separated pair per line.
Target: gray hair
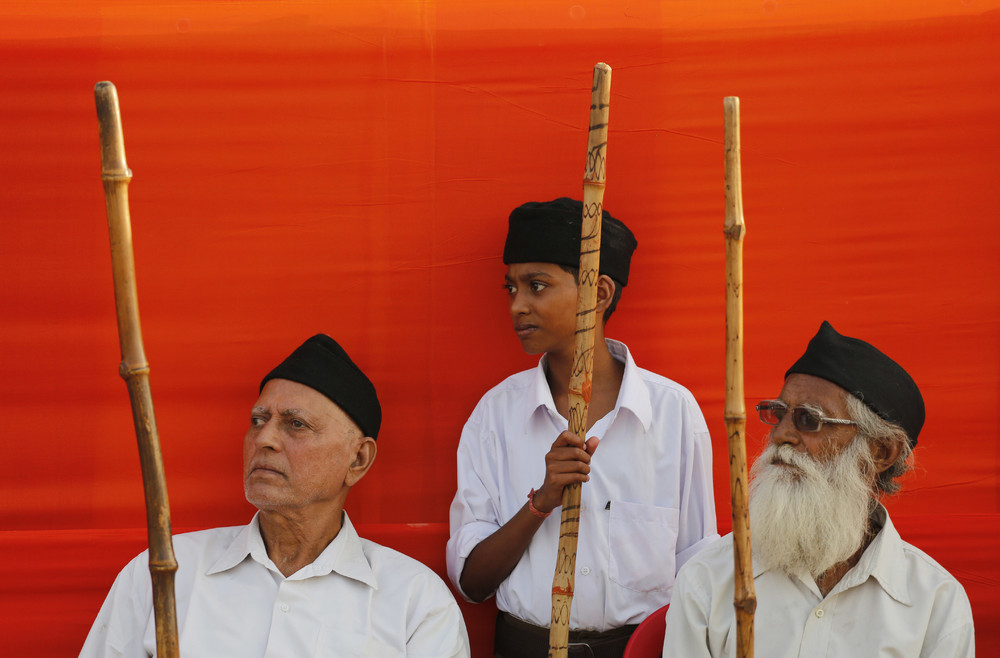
x,y
882,433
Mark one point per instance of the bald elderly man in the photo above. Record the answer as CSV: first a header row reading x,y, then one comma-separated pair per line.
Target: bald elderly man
x,y
296,581
832,576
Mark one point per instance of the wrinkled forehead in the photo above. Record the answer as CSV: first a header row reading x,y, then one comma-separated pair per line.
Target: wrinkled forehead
x,y
800,389
282,396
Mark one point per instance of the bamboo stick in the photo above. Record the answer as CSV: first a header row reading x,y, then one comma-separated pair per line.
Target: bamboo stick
x,y
135,370
744,598
583,359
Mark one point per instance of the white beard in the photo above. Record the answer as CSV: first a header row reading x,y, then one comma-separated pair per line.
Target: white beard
x,y
810,515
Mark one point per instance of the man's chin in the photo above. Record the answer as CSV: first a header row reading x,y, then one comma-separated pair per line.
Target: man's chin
x,y
263,498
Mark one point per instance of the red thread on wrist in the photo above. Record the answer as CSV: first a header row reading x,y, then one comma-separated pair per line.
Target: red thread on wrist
x,y
533,510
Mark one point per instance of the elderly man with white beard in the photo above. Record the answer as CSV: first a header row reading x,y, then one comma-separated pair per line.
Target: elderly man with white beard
x,y
831,573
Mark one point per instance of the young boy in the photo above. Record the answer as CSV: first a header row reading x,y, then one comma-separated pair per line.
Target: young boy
x,y
647,505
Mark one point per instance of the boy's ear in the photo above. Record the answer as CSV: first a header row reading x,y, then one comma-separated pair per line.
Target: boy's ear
x,y
605,293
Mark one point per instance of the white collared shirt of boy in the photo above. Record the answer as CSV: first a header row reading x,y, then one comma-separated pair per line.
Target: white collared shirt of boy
x,y
648,507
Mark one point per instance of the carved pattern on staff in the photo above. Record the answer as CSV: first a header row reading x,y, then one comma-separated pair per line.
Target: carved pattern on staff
x,y
583,361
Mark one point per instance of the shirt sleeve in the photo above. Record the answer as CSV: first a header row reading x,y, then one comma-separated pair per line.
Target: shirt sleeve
x,y
696,524
686,634
474,512
960,643
121,623
439,628
954,636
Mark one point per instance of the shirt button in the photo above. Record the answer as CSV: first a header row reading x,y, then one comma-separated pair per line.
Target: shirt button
x,y
284,607
585,571
819,613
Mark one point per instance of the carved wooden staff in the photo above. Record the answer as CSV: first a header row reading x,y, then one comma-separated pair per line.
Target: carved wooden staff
x,y
583,356
744,598
135,370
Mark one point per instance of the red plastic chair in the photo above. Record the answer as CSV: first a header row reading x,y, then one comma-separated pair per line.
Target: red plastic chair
x,y
647,640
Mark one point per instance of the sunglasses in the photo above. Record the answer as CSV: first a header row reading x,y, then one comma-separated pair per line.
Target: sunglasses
x,y
805,419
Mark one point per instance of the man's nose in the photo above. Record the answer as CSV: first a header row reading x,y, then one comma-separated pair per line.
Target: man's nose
x,y
267,436
785,433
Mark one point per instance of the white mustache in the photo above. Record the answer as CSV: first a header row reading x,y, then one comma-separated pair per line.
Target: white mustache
x,y
786,454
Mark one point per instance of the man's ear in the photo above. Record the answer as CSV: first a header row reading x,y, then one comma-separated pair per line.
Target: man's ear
x,y
886,455
605,293
364,457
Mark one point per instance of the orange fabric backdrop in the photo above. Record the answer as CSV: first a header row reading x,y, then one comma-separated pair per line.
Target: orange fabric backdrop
x,y
348,168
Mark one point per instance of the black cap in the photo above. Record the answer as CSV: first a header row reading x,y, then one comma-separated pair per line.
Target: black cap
x,y
867,374
549,232
321,364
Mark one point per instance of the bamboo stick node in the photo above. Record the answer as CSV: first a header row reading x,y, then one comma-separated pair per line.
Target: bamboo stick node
x,y
126,371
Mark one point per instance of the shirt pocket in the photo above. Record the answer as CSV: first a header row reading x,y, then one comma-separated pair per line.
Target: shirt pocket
x,y
643,541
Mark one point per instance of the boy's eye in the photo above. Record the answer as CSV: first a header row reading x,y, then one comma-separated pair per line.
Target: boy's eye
x,y
509,288
537,286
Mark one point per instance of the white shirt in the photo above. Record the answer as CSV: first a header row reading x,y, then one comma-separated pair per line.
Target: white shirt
x,y
896,601
356,599
647,508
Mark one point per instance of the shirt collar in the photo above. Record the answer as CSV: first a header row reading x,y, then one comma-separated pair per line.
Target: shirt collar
x,y
633,395
344,555
883,560
244,543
